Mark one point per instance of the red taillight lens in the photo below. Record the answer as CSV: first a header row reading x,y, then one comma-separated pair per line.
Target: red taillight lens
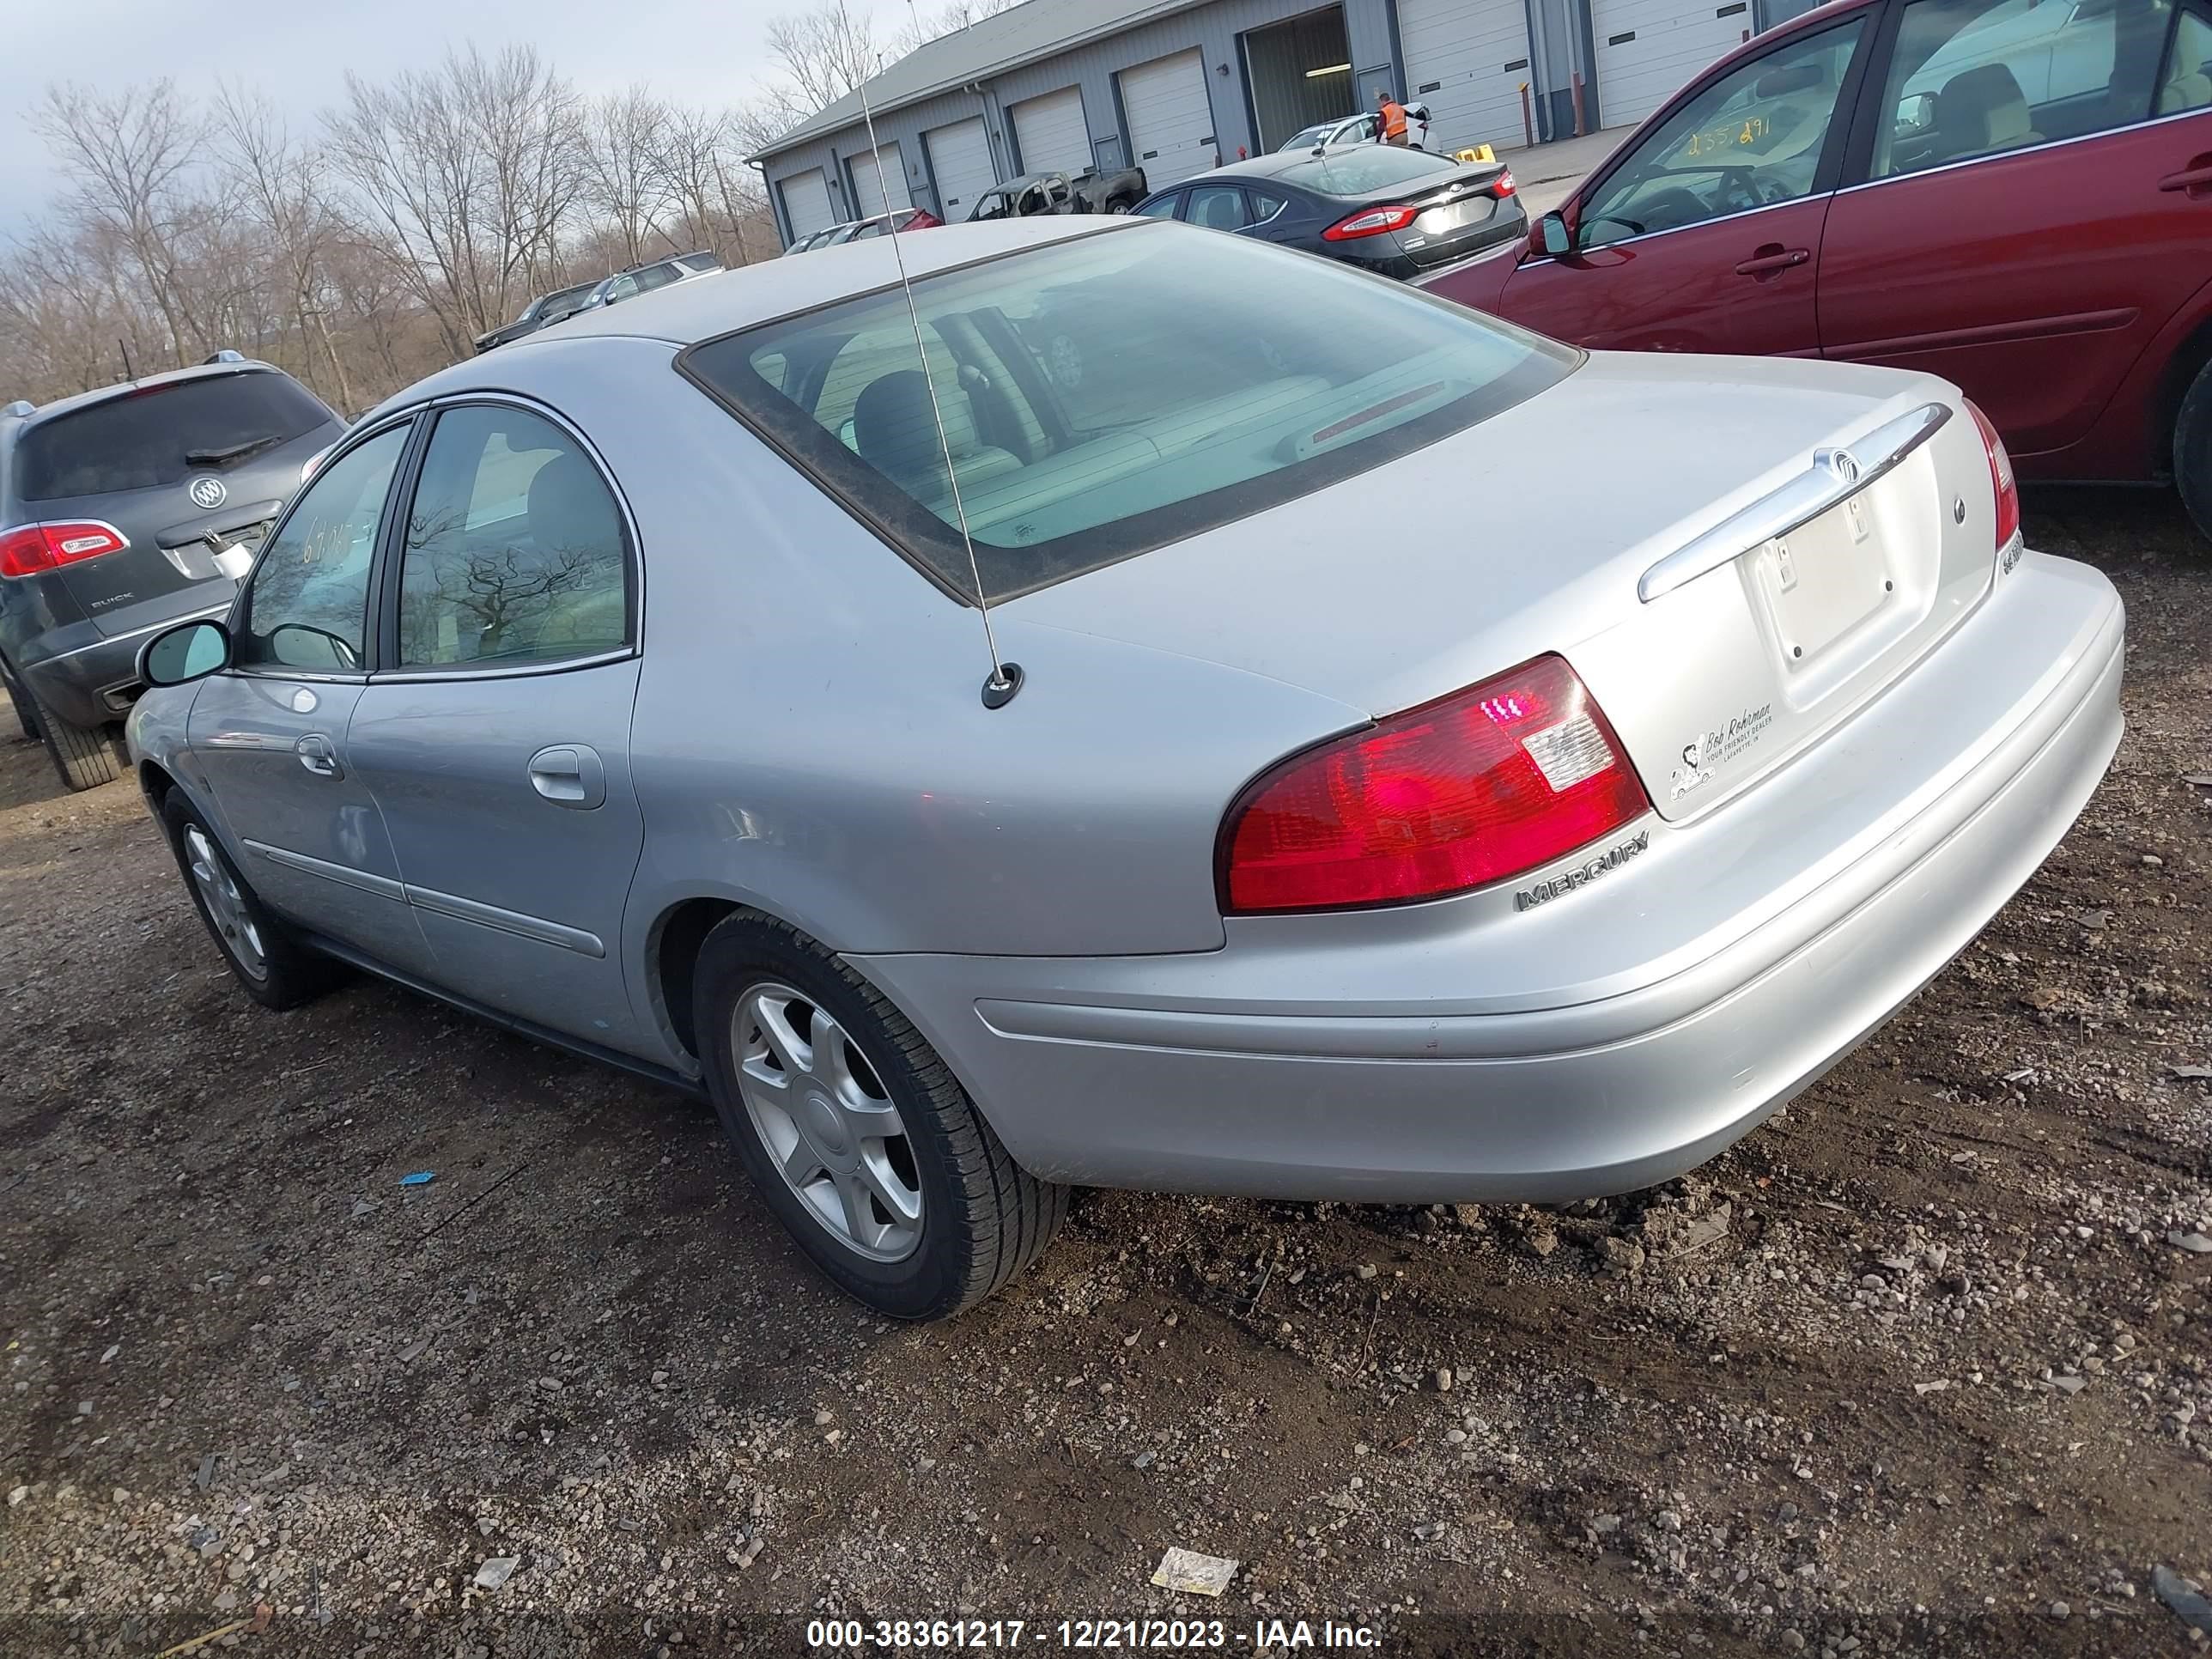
x,y
1482,784
31,548
1370,221
2000,476
1503,186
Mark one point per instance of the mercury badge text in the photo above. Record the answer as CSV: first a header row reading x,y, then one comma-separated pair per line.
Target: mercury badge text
x,y
1582,875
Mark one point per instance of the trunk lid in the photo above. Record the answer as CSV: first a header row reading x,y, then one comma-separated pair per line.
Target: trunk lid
x,y
1533,532
1449,217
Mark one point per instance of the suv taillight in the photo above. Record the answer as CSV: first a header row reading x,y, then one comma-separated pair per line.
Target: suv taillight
x,y
28,548
2000,478
1481,785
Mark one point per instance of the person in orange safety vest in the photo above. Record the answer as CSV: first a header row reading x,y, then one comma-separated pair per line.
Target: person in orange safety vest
x,y
1390,123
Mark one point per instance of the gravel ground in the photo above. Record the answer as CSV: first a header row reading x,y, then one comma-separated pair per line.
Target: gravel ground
x,y
1920,1367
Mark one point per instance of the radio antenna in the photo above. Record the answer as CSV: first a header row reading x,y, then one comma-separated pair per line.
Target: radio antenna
x,y
1004,677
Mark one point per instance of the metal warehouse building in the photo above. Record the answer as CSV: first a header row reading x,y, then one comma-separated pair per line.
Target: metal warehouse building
x,y
1173,86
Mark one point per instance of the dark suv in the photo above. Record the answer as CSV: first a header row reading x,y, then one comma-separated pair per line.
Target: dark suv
x,y
122,510
543,312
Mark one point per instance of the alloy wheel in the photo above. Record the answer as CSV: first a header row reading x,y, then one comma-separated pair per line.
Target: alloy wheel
x,y
827,1122
226,906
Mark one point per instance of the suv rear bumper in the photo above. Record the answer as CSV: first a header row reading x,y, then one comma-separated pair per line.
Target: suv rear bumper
x,y
92,678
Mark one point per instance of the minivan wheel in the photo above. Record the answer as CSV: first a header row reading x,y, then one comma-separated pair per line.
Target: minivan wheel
x,y
855,1132
2192,450
267,958
84,757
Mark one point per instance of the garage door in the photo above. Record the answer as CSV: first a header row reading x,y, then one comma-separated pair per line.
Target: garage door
x,y
1647,49
1466,59
1171,122
1050,132
868,189
960,156
807,202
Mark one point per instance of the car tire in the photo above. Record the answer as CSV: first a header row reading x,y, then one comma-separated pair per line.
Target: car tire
x,y
897,1189
265,957
26,715
84,757
2192,450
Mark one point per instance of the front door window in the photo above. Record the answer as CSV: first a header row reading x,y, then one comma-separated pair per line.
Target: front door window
x,y
306,603
1751,139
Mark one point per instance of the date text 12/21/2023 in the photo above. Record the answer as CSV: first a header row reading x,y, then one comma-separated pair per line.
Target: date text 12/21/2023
x,y
1088,1635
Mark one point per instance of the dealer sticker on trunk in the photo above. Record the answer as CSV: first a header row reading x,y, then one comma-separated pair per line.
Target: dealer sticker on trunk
x,y
1707,752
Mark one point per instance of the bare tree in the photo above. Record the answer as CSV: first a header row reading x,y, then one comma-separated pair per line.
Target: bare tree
x,y
821,55
469,174
923,27
282,184
627,151
130,158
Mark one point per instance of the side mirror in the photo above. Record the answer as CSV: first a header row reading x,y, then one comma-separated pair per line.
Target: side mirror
x,y
189,651
1552,236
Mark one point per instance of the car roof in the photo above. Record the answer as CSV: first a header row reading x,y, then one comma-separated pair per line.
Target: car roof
x,y
146,382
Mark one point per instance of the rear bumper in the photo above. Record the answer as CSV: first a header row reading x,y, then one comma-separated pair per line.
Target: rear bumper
x,y
1228,1072
90,678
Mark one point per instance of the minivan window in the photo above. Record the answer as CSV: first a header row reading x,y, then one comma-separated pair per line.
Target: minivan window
x,y
1108,395
156,435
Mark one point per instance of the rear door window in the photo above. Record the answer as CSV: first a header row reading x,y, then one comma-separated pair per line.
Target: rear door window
x,y
1217,207
1104,396
2186,83
514,547
156,435
1969,78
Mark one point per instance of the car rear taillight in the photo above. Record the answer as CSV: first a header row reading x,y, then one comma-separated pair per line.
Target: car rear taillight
x,y
28,548
2001,477
1370,221
1503,186
1481,785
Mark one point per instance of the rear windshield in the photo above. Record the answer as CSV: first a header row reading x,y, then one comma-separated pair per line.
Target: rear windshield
x,y
157,435
1105,396
1364,170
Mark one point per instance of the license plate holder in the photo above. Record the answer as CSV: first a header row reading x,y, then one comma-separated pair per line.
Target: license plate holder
x,y
1822,580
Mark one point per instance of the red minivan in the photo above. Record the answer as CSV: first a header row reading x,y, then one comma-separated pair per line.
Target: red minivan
x,y
2014,194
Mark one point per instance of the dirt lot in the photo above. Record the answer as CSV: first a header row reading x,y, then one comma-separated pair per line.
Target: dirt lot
x,y
1915,1369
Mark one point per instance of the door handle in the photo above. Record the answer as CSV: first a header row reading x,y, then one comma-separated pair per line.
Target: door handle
x,y
318,755
2195,179
570,775
1772,258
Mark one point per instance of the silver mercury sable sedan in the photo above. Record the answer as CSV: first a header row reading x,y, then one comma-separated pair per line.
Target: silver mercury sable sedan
x,y
629,686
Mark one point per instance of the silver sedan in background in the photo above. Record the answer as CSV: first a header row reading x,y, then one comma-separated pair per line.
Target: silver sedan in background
x,y
631,687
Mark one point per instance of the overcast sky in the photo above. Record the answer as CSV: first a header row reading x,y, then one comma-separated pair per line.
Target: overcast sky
x,y
701,51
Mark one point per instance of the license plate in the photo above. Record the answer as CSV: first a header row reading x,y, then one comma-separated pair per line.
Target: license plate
x,y
1823,579
234,561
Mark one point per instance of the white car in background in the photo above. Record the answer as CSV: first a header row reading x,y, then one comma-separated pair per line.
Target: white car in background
x,y
1358,130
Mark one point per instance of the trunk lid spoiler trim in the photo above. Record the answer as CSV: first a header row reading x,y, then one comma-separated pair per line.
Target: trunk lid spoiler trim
x,y
1836,474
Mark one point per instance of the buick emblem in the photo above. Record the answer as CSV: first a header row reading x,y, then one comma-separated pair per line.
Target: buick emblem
x,y
207,494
